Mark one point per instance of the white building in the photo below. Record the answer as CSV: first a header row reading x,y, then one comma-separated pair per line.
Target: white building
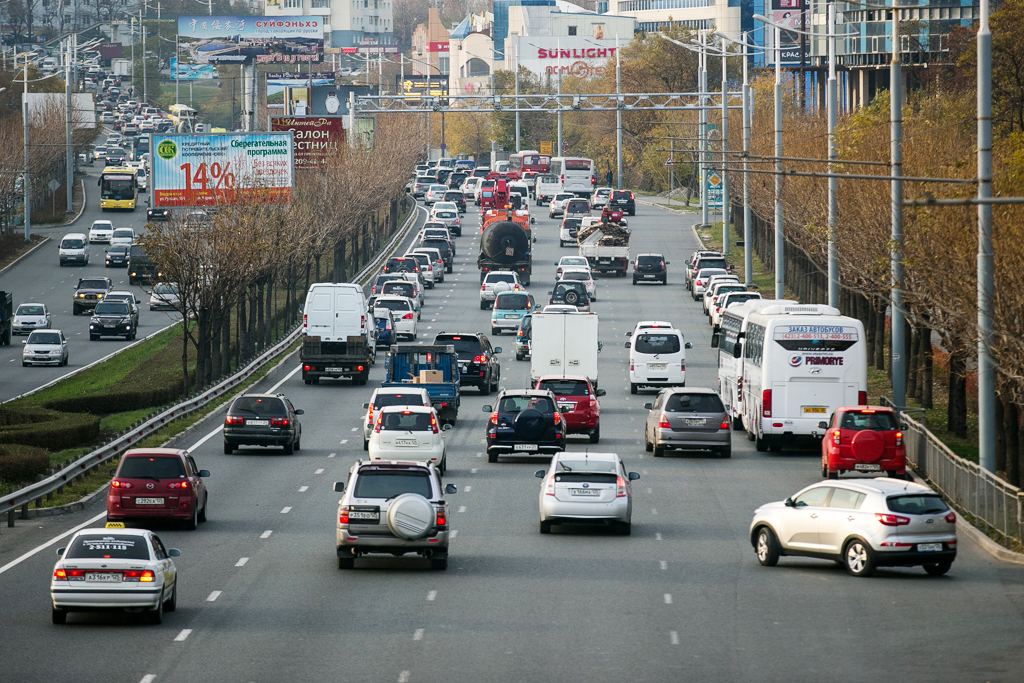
x,y
351,25
656,15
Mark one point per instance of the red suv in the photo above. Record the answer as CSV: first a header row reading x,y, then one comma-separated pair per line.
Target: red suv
x,y
577,401
157,483
863,439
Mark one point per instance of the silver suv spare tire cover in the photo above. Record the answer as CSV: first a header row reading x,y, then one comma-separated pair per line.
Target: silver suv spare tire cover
x,y
410,516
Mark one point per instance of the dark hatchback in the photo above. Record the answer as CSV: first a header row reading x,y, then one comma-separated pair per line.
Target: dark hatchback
x,y
478,360
117,256
441,245
262,420
623,200
458,197
650,268
157,483
114,319
524,422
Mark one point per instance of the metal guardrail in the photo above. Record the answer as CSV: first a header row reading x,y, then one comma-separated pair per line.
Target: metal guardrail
x,y
10,503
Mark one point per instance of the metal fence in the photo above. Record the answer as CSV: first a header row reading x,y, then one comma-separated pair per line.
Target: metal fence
x,y
993,505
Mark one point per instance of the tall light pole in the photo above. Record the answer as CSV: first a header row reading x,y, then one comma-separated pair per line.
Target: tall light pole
x,y
558,67
26,185
145,82
986,277
899,344
69,180
833,182
618,114
725,146
780,283
703,119
517,96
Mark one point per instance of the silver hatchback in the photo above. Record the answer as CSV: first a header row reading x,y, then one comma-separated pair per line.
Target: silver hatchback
x,y
687,419
586,489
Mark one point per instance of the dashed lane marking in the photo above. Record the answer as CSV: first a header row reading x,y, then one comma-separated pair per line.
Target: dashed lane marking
x,y
417,634
266,534
212,597
185,632
285,510
668,598
431,595
319,471
303,489
241,562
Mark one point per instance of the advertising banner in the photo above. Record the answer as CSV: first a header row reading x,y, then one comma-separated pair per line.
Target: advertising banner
x,y
192,72
225,168
413,88
109,51
247,40
789,14
578,56
316,138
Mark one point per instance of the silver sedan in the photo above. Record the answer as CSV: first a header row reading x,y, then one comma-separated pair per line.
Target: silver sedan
x,y
687,419
586,489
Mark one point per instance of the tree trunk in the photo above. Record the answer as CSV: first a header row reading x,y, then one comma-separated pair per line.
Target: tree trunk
x,y
1011,412
915,348
927,377
184,357
880,336
250,335
956,421
268,333
225,338
202,349
865,314
215,360
260,325
1000,432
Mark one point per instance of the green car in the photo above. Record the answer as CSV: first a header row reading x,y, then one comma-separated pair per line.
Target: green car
x,y
509,308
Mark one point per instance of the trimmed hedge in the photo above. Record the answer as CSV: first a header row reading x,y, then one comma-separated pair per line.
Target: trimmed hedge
x,y
22,463
47,429
121,402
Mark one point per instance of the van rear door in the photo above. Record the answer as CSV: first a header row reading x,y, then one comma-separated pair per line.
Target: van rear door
x,y
320,313
347,314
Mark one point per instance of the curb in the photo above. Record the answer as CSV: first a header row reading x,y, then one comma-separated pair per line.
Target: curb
x,y
85,201
25,255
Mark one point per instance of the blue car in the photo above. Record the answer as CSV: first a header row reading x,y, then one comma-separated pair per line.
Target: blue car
x,y
385,320
509,309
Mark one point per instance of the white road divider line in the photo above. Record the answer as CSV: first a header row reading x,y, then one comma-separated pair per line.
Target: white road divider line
x,y
468,489
319,471
185,632
344,441
417,634
673,637
213,596
473,471
286,510
462,508
332,455
664,565
241,561
266,534
431,595
303,489
403,677
148,678
15,562
454,532
668,598
657,537
355,429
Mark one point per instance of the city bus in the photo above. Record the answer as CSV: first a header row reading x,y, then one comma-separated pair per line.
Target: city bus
x,y
800,363
182,116
118,189
576,174
527,165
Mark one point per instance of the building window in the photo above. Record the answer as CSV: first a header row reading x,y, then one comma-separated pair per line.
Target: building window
x,y
477,67
442,65
321,4
572,30
293,4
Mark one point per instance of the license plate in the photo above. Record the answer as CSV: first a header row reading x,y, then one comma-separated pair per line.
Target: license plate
x,y
463,368
105,577
567,406
149,501
819,410
258,423
511,315
695,422
406,442
364,515
336,369
525,447
584,492
657,366
110,327
928,547
867,467
648,277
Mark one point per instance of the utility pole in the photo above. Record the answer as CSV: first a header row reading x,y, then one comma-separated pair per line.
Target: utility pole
x,y
132,33
833,182
145,83
69,155
899,343
748,259
779,243
725,145
703,118
26,184
558,48
986,276
618,114
517,96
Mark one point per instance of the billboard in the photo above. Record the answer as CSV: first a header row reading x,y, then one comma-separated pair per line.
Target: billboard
x,y
579,56
248,40
109,51
192,72
223,168
412,87
789,14
316,138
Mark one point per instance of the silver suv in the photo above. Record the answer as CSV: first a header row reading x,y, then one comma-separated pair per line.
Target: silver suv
x,y
393,507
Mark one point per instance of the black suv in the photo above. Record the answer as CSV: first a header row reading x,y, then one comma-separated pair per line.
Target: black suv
x,y
478,360
570,292
262,420
524,421
114,319
89,292
458,197
442,245
624,200
650,268
401,264
455,180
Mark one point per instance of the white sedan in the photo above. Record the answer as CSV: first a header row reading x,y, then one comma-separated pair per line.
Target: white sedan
x,y
586,490
570,262
114,568
409,433
101,231
405,314
45,347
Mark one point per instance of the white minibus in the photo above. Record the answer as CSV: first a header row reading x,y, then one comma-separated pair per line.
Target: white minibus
x,y
800,363
576,174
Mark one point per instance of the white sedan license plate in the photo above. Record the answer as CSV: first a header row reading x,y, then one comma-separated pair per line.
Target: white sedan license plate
x,y
867,467
149,501
657,366
525,447
258,423
406,442
585,492
928,547
106,577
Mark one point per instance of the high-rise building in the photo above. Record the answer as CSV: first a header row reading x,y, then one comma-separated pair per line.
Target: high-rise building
x,y
348,24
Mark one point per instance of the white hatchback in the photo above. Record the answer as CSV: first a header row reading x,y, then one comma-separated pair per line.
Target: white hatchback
x,y
586,489
390,396
408,433
101,231
123,236
557,206
405,314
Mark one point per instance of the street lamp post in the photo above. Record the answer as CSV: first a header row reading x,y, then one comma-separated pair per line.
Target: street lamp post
x,y
558,68
899,344
703,118
833,182
748,259
26,184
69,180
618,115
986,278
725,145
517,96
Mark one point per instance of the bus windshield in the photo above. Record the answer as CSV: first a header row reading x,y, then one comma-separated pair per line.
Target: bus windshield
x,y
117,186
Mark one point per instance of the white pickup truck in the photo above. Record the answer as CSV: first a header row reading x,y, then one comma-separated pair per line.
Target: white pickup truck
x,y
605,258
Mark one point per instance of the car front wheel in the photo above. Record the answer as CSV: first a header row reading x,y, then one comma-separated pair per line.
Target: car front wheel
x,y
859,558
767,547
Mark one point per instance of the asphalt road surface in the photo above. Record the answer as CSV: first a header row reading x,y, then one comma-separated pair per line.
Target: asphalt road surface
x,y
682,599
39,278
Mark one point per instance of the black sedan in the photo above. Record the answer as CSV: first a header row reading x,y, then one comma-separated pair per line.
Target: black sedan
x,y
153,214
117,256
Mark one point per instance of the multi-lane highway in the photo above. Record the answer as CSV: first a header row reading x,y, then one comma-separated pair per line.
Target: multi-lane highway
x,y
39,278
681,599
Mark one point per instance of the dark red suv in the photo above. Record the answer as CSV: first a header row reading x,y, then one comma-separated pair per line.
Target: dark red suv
x,y
157,483
577,401
863,439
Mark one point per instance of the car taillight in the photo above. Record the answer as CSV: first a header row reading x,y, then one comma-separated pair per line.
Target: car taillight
x,y
441,521
362,322
891,520
766,403
835,437
479,359
343,515
69,574
307,368
238,419
483,288
519,333
60,574
951,518
724,425
862,398
407,316
899,438
593,403
593,180
379,418
558,418
120,484
145,576
549,488
620,488
663,265
178,485
369,416
494,418
682,366
305,319
279,421
699,283
663,422
631,196
433,423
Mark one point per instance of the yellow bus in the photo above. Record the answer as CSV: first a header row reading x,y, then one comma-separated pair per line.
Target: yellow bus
x,y
181,114
118,189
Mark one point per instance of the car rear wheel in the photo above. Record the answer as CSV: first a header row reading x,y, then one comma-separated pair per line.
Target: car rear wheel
x,y
595,436
193,522
228,449
725,452
760,444
202,518
366,444
441,563
492,457
658,451
59,616
938,568
156,616
289,448
633,388
346,563
648,446
172,604
859,558
545,527
767,547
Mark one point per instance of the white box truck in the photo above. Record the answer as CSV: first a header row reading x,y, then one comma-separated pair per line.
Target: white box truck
x,y
338,333
564,344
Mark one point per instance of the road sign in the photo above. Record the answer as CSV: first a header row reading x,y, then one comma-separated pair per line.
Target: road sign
x,y
670,163
713,179
53,185
444,146
545,147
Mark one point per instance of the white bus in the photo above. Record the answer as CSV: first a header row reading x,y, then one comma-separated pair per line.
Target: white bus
x,y
728,339
576,174
800,363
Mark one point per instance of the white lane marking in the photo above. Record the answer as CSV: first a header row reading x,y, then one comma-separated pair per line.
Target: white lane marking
x,y
241,561
403,677
649,490
431,595
148,678
644,471
417,634
354,429
473,471
303,489
344,441
654,511
183,635
668,598
479,455
213,596
462,508
454,532
266,534
332,455
430,327
286,378
285,510
664,565
468,489
319,471
657,537
673,637
44,546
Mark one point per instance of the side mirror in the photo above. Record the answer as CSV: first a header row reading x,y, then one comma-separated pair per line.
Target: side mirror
x,y
737,351
204,473
488,408
60,551
550,293
339,487
823,425
688,345
790,503
497,349
450,489
629,334
600,347
556,263
627,345
446,427
716,339
668,263
173,552
112,471
24,341
366,405
300,411
600,392
648,406
633,476
534,239
539,474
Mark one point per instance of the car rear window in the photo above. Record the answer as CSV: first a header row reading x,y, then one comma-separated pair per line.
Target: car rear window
x,y
917,504
694,403
384,400
575,275
648,260
592,477
464,346
439,244
712,263
517,404
620,194
148,467
587,466
101,546
565,387
511,301
859,421
572,223
657,343
446,214
259,405
385,484
393,304
500,277
405,420
400,288
454,196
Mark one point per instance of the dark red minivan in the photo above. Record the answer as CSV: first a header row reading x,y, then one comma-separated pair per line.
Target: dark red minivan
x,y
157,483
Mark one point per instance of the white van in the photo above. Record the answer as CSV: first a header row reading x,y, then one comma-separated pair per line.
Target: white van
x,y
657,358
800,363
336,311
576,175
546,188
74,248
